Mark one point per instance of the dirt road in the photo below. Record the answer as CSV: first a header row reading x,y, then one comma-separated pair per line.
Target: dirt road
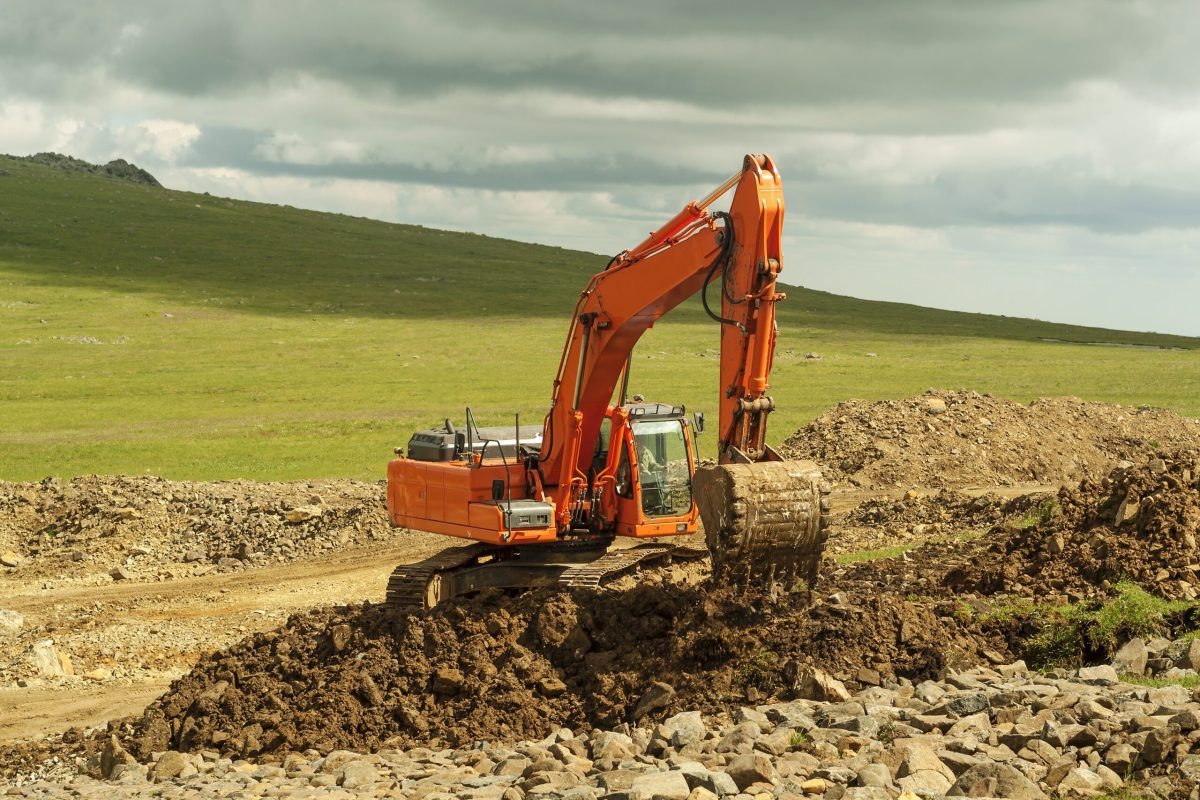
x,y
146,635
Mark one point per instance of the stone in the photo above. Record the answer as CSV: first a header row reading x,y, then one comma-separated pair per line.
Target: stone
x,y
657,696
1121,758
1128,509
1059,770
1189,768
935,405
448,680
169,765
874,775
978,724
98,674
1112,781
113,756
1159,744
357,774
920,771
684,729
967,704
193,554
1187,720
665,785
48,662
815,684
990,779
957,762
814,786
866,793
11,558
302,514
700,793
1082,778
10,622
749,769
1103,675
1131,658
120,573
719,783
551,686
1191,657
339,636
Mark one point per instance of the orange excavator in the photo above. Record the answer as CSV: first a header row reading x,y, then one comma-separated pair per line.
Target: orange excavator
x,y
546,506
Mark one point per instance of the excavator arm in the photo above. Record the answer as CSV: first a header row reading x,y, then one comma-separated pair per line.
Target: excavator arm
x,y
739,252
764,518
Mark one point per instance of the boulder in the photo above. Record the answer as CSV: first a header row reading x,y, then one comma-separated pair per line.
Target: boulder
x,y
816,684
684,729
357,774
750,768
10,622
170,764
921,772
48,662
1131,658
1103,675
114,756
1083,779
657,696
991,779
665,785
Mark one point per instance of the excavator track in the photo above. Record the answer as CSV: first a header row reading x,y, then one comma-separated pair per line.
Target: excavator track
x,y
461,570
409,583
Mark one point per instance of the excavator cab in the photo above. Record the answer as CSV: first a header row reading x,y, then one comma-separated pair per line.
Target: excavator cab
x,y
653,466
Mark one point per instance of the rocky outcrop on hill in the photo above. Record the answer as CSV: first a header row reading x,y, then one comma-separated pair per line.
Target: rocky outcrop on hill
x,y
118,168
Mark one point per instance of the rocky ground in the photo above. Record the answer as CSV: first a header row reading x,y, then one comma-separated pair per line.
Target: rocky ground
x,y
962,439
898,675
997,731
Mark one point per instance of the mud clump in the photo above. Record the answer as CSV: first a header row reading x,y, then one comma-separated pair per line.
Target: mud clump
x,y
498,668
962,439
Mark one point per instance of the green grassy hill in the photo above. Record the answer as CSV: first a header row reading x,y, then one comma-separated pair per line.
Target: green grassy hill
x,y
144,330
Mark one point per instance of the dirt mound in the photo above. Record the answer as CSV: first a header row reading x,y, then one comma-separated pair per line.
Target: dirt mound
x,y
499,667
154,528
960,439
1139,523
883,523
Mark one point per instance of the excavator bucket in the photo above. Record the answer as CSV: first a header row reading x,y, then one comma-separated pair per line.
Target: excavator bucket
x,y
765,523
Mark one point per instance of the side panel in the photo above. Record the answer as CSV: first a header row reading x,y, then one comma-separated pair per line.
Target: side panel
x,y
452,499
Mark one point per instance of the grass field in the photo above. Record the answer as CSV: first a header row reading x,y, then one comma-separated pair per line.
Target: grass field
x,y
151,331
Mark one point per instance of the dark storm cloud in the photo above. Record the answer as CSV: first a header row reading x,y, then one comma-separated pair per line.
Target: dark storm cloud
x,y
719,55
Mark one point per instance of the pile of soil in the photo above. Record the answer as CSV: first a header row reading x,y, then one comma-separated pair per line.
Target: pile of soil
x,y
513,668
962,439
154,528
510,667
1139,523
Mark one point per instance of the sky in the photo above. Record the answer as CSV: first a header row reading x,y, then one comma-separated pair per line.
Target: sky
x,y
1035,159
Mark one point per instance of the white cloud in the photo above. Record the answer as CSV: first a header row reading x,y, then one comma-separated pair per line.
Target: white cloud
x,y
165,140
